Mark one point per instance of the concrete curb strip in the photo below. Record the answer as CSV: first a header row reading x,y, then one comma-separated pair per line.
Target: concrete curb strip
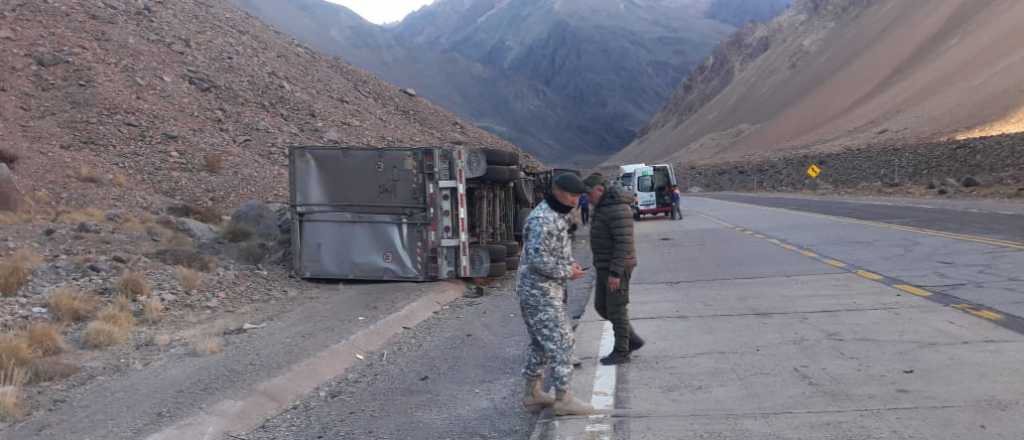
x,y
274,396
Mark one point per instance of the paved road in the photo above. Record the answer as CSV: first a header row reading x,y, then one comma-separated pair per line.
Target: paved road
x,y
773,324
1001,221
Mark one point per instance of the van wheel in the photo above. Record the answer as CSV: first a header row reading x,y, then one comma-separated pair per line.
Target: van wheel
x,y
637,215
500,174
512,263
498,269
501,157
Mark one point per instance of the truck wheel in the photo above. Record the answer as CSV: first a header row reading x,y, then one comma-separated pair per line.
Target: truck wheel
x,y
498,269
512,263
497,252
636,215
501,157
512,247
500,174
524,192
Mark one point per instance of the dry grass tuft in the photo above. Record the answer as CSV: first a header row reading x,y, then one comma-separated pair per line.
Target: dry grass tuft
x,y
15,218
118,314
82,215
189,258
16,270
152,310
71,305
205,214
119,180
15,351
51,369
181,241
99,334
8,157
86,174
132,226
162,341
45,339
215,163
133,285
253,252
11,381
237,233
189,279
207,345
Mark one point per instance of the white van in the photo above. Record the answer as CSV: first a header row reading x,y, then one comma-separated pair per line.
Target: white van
x,y
651,186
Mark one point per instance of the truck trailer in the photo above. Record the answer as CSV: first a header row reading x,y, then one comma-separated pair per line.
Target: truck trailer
x,y
405,214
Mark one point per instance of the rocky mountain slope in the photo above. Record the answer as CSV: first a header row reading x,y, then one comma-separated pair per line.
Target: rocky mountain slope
x,y
570,80
834,74
125,103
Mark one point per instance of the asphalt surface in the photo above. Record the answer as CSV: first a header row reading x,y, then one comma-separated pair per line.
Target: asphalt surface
x,y
454,376
765,323
962,218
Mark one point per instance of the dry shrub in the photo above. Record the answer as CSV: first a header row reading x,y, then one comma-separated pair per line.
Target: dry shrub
x,y
133,285
207,345
158,231
181,241
237,233
118,314
11,381
81,215
51,369
16,269
188,279
15,351
15,218
215,163
99,334
161,340
119,180
71,305
205,214
253,252
189,258
152,310
86,174
45,339
8,157
132,226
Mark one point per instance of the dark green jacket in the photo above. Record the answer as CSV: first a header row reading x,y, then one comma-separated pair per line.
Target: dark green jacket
x,y
611,231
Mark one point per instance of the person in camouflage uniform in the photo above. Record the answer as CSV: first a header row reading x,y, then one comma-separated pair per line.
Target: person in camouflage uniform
x,y
545,269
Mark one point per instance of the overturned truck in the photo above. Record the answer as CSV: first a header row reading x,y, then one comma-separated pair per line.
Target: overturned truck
x,y
406,214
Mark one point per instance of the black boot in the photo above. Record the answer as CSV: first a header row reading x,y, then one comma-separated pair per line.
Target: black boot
x,y
615,358
635,342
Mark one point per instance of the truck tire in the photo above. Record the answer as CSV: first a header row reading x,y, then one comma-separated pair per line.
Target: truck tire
x,y
498,269
512,247
512,263
497,252
637,215
501,157
500,174
524,192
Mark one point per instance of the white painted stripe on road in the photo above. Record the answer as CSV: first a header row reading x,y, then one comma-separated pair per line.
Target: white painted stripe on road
x,y
603,397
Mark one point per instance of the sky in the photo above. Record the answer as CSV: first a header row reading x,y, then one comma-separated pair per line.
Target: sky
x,y
383,11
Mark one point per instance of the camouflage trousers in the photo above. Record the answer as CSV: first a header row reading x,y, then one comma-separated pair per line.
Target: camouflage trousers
x,y
551,338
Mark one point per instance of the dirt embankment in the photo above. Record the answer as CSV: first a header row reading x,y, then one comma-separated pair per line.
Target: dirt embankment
x,y
996,165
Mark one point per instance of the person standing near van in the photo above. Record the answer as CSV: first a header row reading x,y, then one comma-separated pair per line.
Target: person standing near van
x,y
585,208
677,211
611,241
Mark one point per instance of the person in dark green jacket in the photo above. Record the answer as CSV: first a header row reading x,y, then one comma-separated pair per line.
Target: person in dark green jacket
x,y
611,241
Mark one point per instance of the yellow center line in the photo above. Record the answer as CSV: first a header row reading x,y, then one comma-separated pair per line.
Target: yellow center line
x,y
788,247
981,313
870,275
809,254
835,263
913,290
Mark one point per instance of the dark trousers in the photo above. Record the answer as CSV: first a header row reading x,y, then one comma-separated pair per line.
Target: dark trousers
x,y
614,307
585,214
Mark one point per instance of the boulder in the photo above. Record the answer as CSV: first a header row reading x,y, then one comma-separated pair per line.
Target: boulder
x,y
970,182
10,197
259,218
196,230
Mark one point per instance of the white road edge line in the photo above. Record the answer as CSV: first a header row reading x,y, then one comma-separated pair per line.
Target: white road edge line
x,y
603,397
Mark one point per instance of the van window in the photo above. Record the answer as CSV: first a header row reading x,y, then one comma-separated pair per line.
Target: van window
x,y
645,184
627,180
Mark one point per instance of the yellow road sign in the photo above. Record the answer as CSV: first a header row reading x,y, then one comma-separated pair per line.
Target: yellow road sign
x,y
813,170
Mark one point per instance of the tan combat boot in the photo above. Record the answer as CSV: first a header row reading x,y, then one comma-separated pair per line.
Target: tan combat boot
x,y
534,397
567,405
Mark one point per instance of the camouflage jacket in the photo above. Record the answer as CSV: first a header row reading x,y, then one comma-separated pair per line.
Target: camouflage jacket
x,y
546,264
